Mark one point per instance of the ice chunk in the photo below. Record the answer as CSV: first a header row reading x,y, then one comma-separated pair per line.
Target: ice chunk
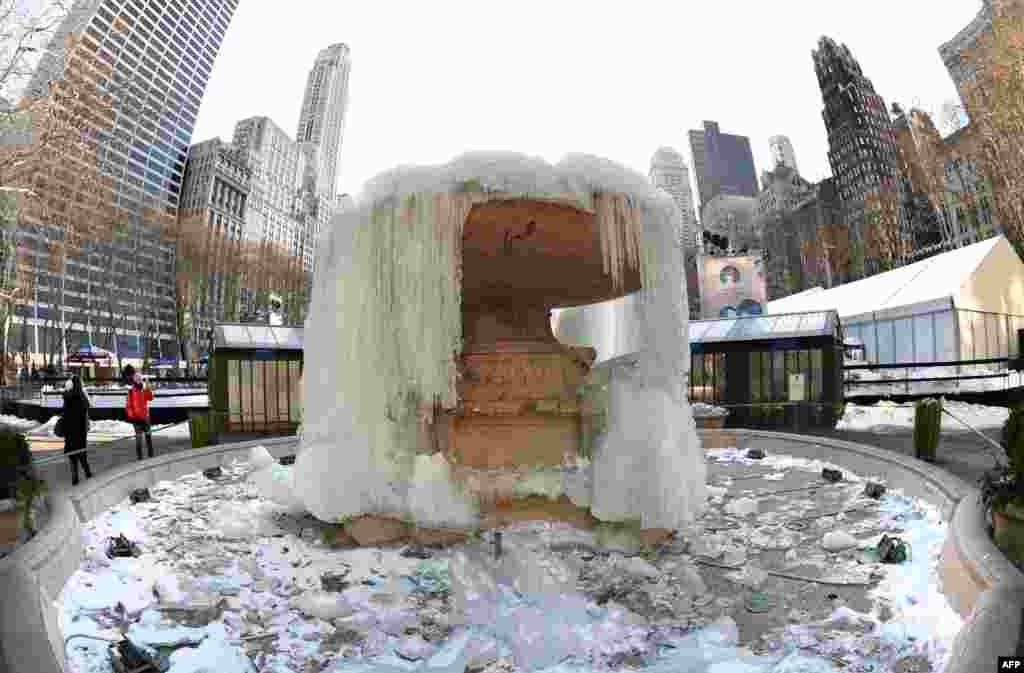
x,y
717,491
322,604
838,540
241,520
637,566
711,546
480,652
276,483
742,507
414,649
260,458
216,653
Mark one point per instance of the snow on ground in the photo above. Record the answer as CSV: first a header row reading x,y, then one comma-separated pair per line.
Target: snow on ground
x,y
227,581
704,409
99,430
17,424
1005,380
891,416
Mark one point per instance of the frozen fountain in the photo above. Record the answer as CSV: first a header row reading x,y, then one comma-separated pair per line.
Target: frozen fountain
x,y
436,394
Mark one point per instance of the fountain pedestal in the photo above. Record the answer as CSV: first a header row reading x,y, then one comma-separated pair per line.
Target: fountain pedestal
x,y
517,391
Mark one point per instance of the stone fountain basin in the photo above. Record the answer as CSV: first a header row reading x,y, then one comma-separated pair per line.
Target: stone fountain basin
x,y
35,575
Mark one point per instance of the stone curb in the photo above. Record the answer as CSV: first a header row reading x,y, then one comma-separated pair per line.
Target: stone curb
x,y
988,588
982,585
32,578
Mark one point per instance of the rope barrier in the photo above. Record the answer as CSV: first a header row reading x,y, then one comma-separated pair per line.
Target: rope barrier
x,y
989,440
57,459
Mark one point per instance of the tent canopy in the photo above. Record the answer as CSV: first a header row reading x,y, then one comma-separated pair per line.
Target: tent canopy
x,y
90,353
986,276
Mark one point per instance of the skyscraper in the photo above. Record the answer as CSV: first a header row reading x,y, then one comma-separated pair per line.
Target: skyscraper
x,y
669,172
724,163
322,119
155,57
862,153
782,153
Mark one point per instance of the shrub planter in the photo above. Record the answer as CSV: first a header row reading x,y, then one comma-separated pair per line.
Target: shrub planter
x,y
1008,523
927,427
199,429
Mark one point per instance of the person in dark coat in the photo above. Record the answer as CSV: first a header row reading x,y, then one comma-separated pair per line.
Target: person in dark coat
x,y
75,416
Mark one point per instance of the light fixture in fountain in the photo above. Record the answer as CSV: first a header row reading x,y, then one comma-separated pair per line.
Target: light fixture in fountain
x,y
435,392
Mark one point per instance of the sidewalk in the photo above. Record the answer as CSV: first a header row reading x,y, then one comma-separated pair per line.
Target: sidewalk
x,y
960,452
108,455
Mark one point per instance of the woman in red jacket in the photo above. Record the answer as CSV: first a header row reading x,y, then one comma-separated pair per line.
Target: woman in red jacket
x,y
138,414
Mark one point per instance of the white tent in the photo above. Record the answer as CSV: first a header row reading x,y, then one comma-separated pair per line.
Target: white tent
x,y
966,304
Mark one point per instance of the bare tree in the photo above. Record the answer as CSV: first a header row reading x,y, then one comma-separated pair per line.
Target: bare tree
x,y
883,240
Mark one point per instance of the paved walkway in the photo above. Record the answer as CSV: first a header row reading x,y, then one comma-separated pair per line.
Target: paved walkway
x,y
960,452
106,456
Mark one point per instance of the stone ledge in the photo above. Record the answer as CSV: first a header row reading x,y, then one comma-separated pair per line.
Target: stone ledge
x,y
32,578
981,584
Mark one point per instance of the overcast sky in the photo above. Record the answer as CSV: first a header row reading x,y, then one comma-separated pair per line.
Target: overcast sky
x,y
433,79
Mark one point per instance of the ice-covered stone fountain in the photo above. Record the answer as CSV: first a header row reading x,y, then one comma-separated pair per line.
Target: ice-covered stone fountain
x,y
435,393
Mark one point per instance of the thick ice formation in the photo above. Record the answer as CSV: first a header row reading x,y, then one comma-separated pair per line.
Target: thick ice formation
x,y
385,330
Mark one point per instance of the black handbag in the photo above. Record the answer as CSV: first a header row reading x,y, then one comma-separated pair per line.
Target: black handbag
x,y
58,429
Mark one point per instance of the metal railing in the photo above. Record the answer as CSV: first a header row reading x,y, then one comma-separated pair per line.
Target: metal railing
x,y
1006,374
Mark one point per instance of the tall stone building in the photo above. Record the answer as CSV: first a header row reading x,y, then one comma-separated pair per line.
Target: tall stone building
x,y
782,190
277,205
155,58
917,170
782,153
322,119
806,245
723,163
669,172
862,153
215,194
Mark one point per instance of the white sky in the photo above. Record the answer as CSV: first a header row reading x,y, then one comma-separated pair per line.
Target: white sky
x,y
433,79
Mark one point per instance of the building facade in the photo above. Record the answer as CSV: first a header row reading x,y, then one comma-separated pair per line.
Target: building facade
x,y
215,196
734,218
782,153
862,154
967,206
723,163
155,58
669,172
322,118
807,245
782,190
